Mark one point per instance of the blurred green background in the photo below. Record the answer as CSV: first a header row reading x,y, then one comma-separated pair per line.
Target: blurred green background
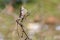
x,y
41,7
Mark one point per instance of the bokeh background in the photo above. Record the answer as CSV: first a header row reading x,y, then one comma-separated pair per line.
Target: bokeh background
x,y
10,9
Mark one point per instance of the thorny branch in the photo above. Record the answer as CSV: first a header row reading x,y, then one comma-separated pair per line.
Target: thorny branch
x,y
21,25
